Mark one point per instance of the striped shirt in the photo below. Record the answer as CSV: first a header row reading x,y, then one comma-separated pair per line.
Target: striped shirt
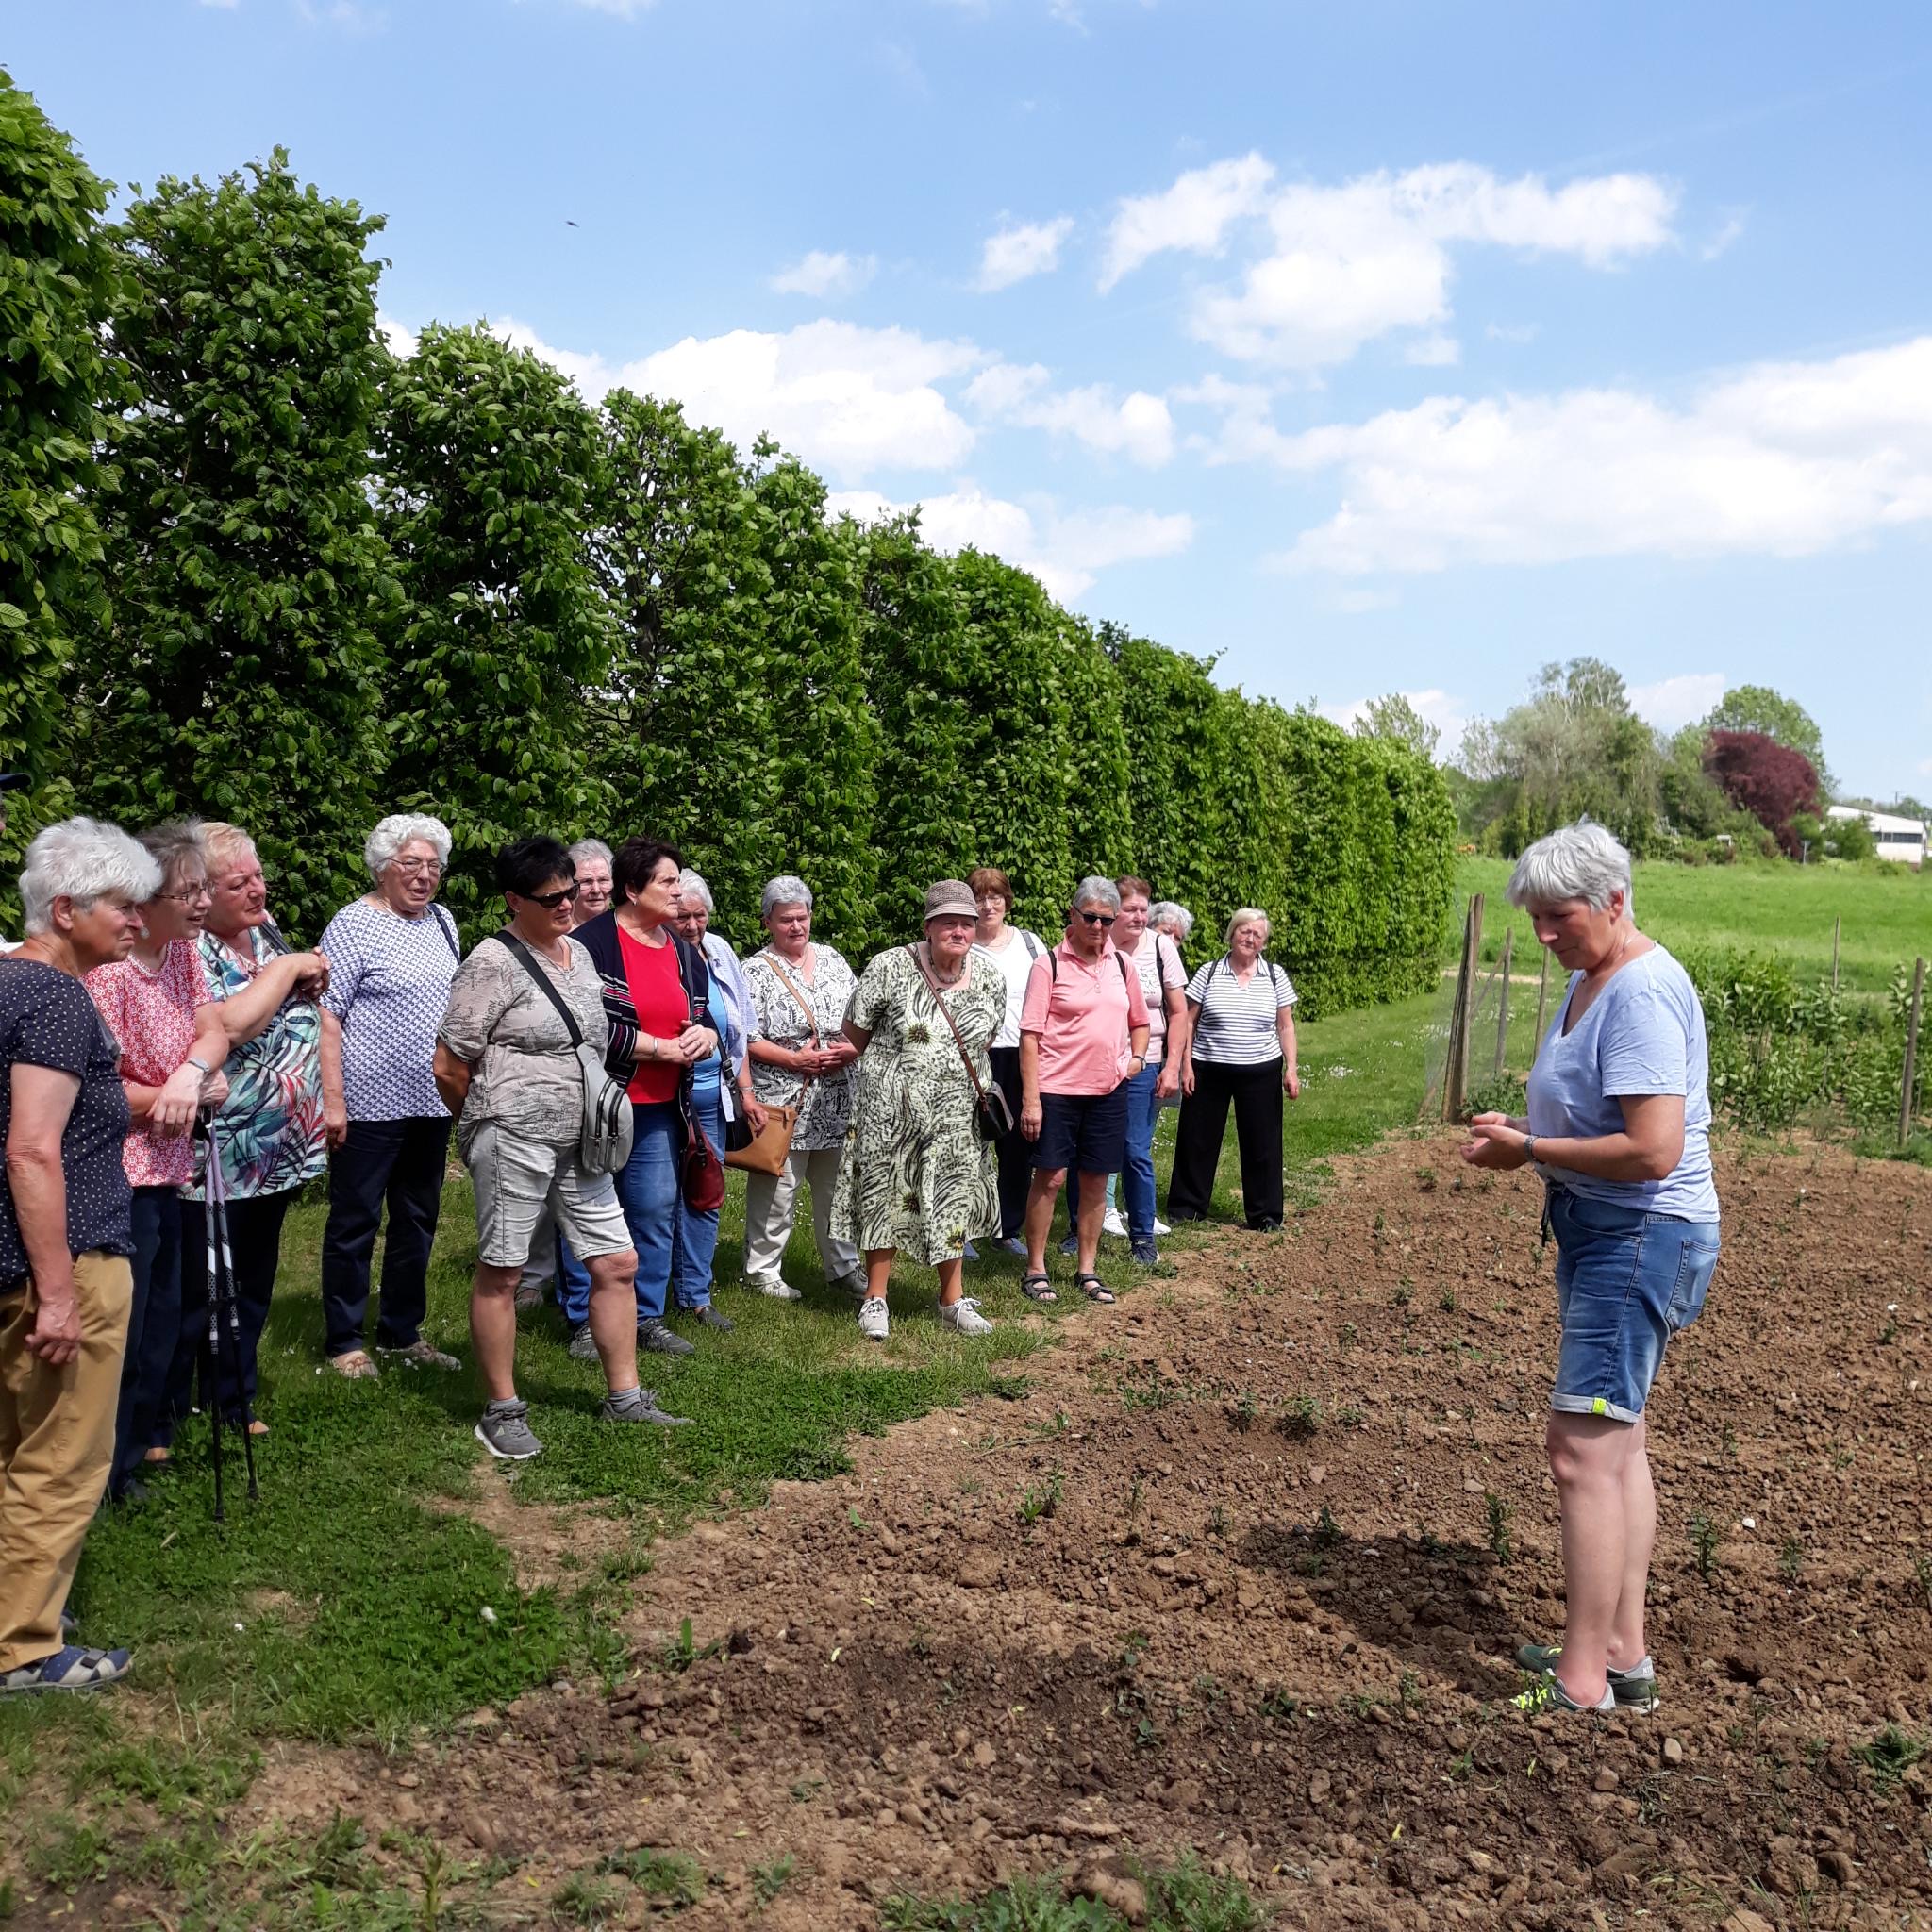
x,y
1234,1025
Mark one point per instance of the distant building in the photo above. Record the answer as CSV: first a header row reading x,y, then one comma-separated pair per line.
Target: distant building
x,y
1896,838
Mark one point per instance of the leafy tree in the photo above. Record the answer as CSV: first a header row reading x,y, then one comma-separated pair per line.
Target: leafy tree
x,y
1769,780
1848,839
1757,708
1395,717
1099,813
56,279
488,466
239,676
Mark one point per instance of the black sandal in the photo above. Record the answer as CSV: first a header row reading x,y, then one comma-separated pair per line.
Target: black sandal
x,y
1093,1288
1036,1288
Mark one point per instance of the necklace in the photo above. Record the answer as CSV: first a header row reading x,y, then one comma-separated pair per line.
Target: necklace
x,y
952,978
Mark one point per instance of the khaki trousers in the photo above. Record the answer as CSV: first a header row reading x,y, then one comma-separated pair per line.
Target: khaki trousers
x,y
770,1201
57,1440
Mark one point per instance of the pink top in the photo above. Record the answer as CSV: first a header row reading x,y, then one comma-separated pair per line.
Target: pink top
x,y
150,1016
1083,1012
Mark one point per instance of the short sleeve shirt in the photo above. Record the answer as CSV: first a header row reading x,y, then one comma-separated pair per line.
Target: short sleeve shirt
x,y
824,1106
150,1016
1235,1026
1157,960
526,1075
1643,1034
388,985
47,1019
1015,962
1084,1012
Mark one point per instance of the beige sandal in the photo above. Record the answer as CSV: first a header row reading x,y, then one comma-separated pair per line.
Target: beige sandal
x,y
354,1366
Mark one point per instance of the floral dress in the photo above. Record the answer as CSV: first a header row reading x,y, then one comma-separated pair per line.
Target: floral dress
x,y
824,1107
916,1174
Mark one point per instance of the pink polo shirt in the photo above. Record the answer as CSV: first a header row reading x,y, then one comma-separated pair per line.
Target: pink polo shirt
x,y
1083,1012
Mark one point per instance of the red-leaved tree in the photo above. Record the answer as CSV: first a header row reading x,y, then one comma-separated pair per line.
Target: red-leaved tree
x,y
1769,780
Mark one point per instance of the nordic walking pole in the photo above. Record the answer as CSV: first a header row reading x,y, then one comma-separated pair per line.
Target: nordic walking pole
x,y
212,1359
218,1198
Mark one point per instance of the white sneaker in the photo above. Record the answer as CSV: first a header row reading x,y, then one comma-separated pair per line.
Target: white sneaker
x,y
771,1285
963,1316
1116,1223
1161,1227
872,1321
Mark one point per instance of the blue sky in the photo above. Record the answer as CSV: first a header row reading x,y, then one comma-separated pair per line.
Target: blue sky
x,y
1378,347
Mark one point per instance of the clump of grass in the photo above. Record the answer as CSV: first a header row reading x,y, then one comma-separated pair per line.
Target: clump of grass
x,y
1496,1515
1790,1559
1889,1755
1043,1501
1301,1416
1242,1411
1703,1544
1328,1531
666,1879
1446,1301
768,1881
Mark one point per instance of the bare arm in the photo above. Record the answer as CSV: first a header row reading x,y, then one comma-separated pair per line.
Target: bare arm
x,y
1030,1114
169,1109
1291,1074
452,1078
335,1110
1648,1149
43,1100
250,1011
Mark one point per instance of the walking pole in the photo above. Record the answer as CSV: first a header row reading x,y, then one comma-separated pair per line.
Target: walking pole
x,y
211,1381
218,1199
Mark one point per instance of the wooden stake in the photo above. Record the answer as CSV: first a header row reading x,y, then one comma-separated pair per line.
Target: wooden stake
x,y
1835,918
1456,1081
1503,1004
1905,1098
1543,989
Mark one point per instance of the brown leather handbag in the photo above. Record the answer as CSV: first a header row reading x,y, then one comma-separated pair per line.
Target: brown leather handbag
x,y
767,1152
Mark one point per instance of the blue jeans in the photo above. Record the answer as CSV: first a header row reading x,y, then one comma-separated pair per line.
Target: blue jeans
x,y
1626,1281
647,1193
696,1241
1136,1170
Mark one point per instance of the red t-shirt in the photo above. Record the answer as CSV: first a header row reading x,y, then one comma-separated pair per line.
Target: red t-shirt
x,y
650,973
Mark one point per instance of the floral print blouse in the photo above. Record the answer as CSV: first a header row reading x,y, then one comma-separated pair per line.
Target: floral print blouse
x,y
825,1105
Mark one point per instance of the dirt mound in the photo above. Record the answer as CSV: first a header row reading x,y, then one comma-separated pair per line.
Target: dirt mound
x,y
1243,1572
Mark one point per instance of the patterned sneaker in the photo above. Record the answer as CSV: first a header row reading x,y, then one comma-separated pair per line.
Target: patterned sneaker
x,y
583,1345
653,1338
354,1366
771,1285
72,1668
1547,1693
423,1355
1634,1689
505,1431
962,1316
637,1406
873,1323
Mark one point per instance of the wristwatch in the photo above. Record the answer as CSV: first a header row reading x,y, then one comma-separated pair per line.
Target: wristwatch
x,y
1529,1146
195,1060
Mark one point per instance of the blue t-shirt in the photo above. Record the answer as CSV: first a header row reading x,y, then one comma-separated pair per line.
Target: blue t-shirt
x,y
1643,1034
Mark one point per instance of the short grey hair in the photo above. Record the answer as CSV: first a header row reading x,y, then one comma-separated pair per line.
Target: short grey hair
x,y
1249,915
691,886
400,828
223,844
174,845
1167,910
590,848
83,859
1579,861
787,889
1095,890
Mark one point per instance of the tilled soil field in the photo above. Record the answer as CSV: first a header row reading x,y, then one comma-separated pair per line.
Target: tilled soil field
x,y
1240,1570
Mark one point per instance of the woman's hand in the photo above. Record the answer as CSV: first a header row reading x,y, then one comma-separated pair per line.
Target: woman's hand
x,y
839,1053
311,975
215,1089
1032,1117
808,1062
1495,1141
1188,1075
693,1045
1168,1083
754,1116
172,1112
334,1124
1291,1081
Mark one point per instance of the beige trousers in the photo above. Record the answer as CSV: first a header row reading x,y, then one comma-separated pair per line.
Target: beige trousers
x,y
57,1440
770,1201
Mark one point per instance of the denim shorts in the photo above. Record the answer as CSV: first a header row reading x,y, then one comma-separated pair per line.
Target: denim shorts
x,y
1086,1133
1626,1281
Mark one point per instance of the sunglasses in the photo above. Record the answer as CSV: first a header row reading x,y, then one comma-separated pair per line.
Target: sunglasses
x,y
551,900
1096,918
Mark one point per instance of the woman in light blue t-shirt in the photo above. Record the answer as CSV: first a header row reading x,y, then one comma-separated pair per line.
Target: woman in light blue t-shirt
x,y
1618,1127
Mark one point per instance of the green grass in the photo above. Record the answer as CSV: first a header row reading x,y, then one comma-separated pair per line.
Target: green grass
x,y
1178,1898
1885,912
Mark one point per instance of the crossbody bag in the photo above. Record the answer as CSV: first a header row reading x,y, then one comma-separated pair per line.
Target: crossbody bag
x,y
992,1111
604,1146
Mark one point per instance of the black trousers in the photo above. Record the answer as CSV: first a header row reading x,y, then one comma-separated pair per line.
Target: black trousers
x,y
1256,1092
1015,1151
254,1248
154,1319
397,1164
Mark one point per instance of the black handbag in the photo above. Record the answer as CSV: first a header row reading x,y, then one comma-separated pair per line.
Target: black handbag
x,y
992,1112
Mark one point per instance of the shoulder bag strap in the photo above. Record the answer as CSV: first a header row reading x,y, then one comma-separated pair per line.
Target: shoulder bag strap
x,y
805,1006
966,1058
523,952
449,932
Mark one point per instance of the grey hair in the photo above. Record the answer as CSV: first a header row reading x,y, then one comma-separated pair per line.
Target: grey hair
x,y
1095,890
172,844
83,859
1579,861
1249,915
692,885
1167,909
400,829
787,889
590,848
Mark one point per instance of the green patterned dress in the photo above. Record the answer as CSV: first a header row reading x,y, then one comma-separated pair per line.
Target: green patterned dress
x,y
916,1175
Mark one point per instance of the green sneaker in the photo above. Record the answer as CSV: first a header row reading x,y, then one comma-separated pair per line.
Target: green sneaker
x,y
1547,1693
1634,1689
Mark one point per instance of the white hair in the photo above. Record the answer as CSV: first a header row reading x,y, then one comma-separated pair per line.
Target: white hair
x,y
590,848
400,828
1168,911
787,889
692,885
1249,915
83,859
1579,861
1095,890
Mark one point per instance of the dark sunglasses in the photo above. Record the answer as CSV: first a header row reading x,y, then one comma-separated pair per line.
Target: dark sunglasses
x,y
551,900
1096,918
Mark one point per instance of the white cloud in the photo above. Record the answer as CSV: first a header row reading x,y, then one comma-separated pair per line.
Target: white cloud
x,y
1720,243
1782,460
401,340
1064,550
817,273
1513,331
1673,702
1342,264
1138,427
1194,214
1434,352
1030,248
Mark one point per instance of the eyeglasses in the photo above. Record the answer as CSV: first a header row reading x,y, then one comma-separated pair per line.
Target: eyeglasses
x,y
410,867
551,900
1101,918
188,894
